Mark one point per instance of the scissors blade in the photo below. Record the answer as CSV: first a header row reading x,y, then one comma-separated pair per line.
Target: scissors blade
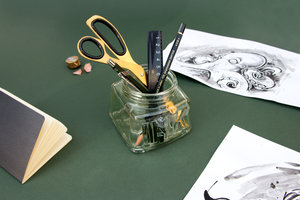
x,y
128,77
137,70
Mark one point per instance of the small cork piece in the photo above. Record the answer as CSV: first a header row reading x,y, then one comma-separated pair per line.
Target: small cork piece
x,y
73,62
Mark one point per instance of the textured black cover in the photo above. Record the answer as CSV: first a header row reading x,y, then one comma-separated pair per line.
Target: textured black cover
x,y
19,129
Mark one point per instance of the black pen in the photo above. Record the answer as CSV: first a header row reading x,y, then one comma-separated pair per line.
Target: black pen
x,y
170,57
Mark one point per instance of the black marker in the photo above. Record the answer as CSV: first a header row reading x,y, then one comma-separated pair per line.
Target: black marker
x,y
170,57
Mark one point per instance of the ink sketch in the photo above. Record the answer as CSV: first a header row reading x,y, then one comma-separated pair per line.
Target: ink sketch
x,y
268,181
247,167
238,66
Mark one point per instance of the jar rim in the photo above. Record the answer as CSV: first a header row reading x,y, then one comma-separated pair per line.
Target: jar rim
x,y
171,77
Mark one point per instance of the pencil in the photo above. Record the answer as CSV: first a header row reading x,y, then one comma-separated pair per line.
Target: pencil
x,y
170,57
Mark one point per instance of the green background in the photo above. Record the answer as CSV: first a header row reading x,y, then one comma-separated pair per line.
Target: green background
x,y
37,36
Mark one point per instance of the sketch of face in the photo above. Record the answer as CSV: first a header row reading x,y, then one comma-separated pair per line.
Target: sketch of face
x,y
230,69
264,182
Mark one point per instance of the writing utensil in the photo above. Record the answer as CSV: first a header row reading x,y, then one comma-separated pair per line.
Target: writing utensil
x,y
155,69
157,134
170,57
155,64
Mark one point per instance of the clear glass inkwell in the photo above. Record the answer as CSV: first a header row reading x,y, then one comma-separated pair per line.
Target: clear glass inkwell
x,y
148,121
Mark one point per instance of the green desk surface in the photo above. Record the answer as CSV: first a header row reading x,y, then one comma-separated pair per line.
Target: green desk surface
x,y
37,36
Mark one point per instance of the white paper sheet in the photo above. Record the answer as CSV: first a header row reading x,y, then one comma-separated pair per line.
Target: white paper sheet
x,y
239,66
246,166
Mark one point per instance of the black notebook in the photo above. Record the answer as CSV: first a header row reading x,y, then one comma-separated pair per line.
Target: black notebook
x,y
28,137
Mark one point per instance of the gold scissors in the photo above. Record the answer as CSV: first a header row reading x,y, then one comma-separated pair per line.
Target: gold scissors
x,y
122,61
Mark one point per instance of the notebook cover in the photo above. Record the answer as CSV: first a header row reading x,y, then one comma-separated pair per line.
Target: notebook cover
x,y
19,130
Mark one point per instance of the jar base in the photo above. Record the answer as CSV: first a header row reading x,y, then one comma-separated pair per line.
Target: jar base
x,y
145,133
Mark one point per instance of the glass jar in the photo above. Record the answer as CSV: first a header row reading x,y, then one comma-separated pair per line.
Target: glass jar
x,y
147,121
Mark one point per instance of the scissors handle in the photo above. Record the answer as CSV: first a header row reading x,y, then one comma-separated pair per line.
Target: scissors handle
x,y
122,57
123,54
98,19
81,50
102,56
